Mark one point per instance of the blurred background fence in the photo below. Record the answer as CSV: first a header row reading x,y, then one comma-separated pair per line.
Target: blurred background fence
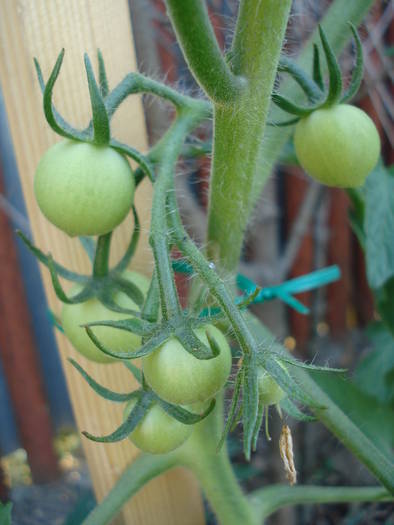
x,y
298,226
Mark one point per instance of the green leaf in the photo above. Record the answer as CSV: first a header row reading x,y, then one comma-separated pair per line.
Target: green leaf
x,y
130,289
135,155
374,375
379,226
310,88
194,346
135,326
137,372
103,81
5,513
316,71
290,107
125,260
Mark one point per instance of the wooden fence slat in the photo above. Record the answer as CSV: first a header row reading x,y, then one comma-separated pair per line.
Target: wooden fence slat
x,y
41,28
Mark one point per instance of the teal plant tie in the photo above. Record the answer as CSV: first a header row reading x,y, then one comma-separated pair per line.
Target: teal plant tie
x,y
284,291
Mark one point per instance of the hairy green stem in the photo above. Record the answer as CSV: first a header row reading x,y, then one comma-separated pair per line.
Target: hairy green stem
x,y
266,501
214,471
196,37
142,470
239,126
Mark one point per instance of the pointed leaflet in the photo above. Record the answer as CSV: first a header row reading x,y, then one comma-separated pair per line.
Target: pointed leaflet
x,y
101,127
185,416
358,71
126,428
54,119
63,272
284,123
89,245
334,73
101,390
150,310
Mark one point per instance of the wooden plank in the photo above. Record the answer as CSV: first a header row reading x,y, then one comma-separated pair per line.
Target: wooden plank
x,y
41,28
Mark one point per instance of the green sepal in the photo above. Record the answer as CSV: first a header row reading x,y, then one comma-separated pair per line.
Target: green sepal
x,y
63,272
103,80
233,411
147,348
137,373
81,297
150,310
101,390
136,415
311,89
185,416
89,245
290,408
358,70
290,107
123,264
53,117
105,298
135,155
250,402
135,326
101,127
316,68
194,346
130,289
287,383
296,362
284,123
259,422
334,72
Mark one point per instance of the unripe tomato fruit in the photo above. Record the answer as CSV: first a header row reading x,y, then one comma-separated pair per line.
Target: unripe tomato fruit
x,y
74,315
84,189
180,378
158,432
338,146
270,393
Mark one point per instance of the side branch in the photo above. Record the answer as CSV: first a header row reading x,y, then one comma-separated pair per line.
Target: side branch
x,y
201,50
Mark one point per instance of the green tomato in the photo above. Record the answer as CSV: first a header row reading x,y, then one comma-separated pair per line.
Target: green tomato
x,y
270,393
84,189
180,378
74,315
158,432
338,146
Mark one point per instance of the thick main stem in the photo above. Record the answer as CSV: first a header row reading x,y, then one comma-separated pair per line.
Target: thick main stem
x,y
214,471
239,127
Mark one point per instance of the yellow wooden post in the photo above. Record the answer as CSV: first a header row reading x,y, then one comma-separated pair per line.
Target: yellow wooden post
x,y
41,28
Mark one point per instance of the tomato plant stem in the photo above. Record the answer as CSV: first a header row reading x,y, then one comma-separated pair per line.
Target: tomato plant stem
x,y
214,471
239,126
